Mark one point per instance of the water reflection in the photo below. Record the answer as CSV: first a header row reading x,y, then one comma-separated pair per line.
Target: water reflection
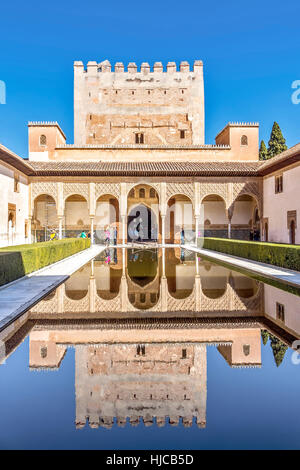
x,y
141,325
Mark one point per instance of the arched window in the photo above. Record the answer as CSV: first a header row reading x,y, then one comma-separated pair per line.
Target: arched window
x,y
131,193
142,193
244,140
43,140
44,352
152,192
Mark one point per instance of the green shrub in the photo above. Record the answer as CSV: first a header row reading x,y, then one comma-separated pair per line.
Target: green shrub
x,y
285,256
19,260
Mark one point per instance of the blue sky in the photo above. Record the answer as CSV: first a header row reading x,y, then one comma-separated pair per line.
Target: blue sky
x,y
250,52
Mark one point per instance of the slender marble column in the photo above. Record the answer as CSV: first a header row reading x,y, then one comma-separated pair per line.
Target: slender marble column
x,y
163,220
92,230
60,223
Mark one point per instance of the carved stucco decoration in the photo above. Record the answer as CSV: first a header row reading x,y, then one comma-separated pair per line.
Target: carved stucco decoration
x,y
154,308
251,304
251,188
182,305
107,188
187,189
156,186
219,304
219,189
82,305
47,306
81,189
43,187
112,305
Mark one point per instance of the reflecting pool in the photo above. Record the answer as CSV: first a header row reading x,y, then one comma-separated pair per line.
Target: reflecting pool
x,y
153,349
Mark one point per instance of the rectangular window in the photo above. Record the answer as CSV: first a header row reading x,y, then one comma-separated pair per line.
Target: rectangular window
x,y
278,184
279,311
183,354
182,134
139,138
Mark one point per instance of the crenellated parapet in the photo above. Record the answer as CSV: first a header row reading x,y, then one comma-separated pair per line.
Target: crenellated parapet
x,y
93,67
109,421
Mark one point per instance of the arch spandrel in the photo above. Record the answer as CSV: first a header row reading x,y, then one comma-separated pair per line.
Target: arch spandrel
x,y
250,188
217,189
186,189
81,305
48,188
251,304
80,189
181,305
111,305
102,189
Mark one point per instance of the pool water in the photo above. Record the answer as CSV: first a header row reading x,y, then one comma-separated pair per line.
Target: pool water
x,y
153,349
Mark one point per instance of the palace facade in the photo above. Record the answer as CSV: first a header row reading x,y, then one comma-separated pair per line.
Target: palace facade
x,y
140,167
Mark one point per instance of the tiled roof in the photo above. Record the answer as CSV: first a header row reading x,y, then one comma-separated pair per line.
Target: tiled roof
x,y
285,158
146,168
14,160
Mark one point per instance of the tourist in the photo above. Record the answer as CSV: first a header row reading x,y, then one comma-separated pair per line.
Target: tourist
x,y
52,235
83,234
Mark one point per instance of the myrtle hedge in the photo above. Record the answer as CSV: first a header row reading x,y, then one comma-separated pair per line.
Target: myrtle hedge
x,y
285,256
19,260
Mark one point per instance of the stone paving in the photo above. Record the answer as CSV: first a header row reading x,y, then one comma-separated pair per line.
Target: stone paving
x,y
20,295
286,276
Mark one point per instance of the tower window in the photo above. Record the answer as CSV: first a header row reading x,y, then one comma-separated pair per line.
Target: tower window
x,y
244,140
43,140
139,138
44,352
182,134
183,356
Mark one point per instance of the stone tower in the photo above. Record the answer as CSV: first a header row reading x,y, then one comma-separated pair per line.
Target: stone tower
x,y
150,107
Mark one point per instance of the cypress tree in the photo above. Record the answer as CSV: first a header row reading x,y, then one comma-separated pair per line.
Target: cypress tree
x,y
276,142
279,349
263,152
264,336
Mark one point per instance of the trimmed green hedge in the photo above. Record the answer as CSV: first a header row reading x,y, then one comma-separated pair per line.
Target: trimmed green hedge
x,y
19,260
285,256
